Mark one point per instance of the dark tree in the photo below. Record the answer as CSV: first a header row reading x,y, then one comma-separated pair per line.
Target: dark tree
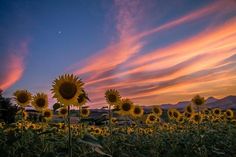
x,y
7,110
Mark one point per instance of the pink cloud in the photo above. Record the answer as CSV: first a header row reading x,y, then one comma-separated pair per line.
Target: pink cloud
x,y
13,65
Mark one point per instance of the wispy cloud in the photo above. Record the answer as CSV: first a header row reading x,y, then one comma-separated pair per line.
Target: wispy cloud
x,y
13,64
199,64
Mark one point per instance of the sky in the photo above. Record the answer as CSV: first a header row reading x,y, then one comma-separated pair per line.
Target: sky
x,y
153,51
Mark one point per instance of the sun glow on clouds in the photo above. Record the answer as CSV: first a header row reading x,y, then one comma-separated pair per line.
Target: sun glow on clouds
x,y
13,65
204,64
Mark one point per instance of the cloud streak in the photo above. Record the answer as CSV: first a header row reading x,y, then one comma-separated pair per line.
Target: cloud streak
x,y
13,64
200,64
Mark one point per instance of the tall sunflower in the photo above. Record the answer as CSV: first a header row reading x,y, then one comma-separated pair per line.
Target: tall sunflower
x,y
137,111
67,88
47,114
198,100
22,97
40,101
63,111
125,107
84,112
112,96
157,110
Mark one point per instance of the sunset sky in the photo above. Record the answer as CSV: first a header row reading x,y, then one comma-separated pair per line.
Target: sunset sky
x,y
151,51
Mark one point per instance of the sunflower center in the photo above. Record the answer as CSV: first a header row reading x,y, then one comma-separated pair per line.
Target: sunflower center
x,y
197,118
217,111
84,111
40,102
175,114
198,101
22,98
63,111
47,114
126,106
67,90
112,98
137,111
152,118
156,110
228,113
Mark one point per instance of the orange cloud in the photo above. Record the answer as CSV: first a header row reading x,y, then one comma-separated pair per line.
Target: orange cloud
x,y
13,66
187,67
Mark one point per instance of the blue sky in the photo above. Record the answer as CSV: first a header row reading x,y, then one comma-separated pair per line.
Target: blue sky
x,y
137,47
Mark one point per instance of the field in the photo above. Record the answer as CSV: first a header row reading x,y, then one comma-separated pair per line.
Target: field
x,y
128,131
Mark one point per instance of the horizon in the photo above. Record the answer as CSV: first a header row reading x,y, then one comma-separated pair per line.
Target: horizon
x,y
153,52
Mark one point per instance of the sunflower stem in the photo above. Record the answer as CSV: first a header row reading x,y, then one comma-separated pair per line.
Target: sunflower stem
x,y
110,127
69,129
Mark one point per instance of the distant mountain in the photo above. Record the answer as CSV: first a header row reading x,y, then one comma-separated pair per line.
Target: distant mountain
x,y
211,102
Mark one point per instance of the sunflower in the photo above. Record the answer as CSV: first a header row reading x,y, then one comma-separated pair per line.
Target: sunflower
x,y
84,112
198,100
151,118
233,121
206,111
82,98
188,115
97,131
63,111
197,118
47,114
67,88
112,96
40,101
157,110
216,112
125,106
170,113
176,114
189,108
229,114
180,119
137,111
22,97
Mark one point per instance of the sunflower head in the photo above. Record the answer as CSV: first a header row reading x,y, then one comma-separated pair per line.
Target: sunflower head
x,y
180,120
176,114
22,97
84,112
151,118
216,112
67,88
47,114
189,108
112,96
188,115
197,118
63,111
170,113
229,114
137,111
157,110
40,101
82,98
198,100
125,107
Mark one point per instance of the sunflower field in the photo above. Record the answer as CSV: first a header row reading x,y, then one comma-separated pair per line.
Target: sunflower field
x,y
129,131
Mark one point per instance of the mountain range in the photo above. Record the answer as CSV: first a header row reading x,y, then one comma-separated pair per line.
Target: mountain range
x,y
211,102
